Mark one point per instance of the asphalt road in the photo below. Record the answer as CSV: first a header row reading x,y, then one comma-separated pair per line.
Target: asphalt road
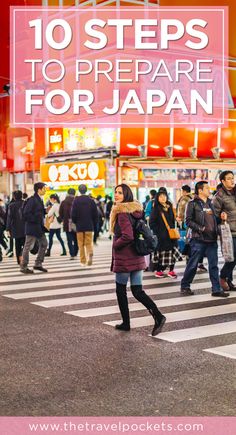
x,y
57,364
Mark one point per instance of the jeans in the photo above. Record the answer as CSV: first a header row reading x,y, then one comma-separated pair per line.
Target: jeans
x,y
58,234
29,244
72,243
198,250
227,269
136,277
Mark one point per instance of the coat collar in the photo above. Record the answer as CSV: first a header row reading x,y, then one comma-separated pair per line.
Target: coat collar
x,y
123,207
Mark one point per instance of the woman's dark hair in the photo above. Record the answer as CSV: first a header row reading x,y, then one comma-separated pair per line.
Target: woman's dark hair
x,y
56,197
127,192
158,196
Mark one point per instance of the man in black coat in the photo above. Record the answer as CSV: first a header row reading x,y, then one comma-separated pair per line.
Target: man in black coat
x,y
33,214
85,215
65,215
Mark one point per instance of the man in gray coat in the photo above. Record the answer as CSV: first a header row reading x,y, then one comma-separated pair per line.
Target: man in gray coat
x,y
224,203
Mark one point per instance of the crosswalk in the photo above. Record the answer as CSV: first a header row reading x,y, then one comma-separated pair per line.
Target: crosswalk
x,y
88,292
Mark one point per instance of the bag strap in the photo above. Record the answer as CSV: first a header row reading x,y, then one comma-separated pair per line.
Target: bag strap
x,y
165,221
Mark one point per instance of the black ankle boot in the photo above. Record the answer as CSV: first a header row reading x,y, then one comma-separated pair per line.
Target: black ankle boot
x,y
158,325
123,327
142,297
121,294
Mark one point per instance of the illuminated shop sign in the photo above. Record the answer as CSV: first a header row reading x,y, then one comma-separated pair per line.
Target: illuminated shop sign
x,y
82,171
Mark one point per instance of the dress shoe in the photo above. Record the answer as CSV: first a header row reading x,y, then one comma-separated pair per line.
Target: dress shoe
x,y
202,268
224,285
41,268
220,294
63,253
47,254
123,327
186,292
231,285
158,326
27,271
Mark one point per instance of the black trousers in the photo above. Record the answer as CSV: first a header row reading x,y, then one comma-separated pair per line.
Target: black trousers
x,y
19,245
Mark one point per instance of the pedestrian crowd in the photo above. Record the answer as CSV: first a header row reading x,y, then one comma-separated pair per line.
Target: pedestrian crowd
x,y
190,230
26,221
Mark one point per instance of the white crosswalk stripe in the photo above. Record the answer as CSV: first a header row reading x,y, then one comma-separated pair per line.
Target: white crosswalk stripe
x,y
90,293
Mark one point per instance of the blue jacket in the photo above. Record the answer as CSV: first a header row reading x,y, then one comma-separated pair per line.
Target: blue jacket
x,y
33,213
148,209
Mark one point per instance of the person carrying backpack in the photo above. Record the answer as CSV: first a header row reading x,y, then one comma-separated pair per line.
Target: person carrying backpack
x,y
126,262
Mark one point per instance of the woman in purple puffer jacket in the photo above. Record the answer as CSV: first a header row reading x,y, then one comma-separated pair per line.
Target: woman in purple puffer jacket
x,y
126,263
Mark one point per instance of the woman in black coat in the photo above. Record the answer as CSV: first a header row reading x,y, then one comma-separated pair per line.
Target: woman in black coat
x,y
167,249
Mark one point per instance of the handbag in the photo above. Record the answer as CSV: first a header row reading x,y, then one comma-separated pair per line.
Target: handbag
x,y
47,222
35,248
173,232
72,226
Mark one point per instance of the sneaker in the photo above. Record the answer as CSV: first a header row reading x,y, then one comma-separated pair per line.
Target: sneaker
x,y
186,292
26,271
220,294
41,268
172,274
158,326
159,275
224,285
202,268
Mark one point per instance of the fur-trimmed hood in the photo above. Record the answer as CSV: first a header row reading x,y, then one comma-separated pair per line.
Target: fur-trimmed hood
x,y
135,208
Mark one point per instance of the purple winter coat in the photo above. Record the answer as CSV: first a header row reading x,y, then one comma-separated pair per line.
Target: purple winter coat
x,y
124,256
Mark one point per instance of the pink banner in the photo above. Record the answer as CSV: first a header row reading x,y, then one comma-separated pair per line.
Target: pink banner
x,y
118,425
119,66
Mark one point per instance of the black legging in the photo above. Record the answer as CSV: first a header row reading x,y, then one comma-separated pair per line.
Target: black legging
x,y
161,268
58,234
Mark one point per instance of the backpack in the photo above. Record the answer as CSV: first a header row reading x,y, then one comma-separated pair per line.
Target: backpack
x,y
145,242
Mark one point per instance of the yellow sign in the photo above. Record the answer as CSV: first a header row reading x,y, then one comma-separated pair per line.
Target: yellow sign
x,y
81,171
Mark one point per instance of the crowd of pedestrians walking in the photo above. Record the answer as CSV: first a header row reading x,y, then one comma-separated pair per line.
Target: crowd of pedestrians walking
x,y
190,230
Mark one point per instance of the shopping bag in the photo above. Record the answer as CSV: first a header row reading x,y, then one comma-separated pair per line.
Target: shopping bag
x,y
226,239
182,240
